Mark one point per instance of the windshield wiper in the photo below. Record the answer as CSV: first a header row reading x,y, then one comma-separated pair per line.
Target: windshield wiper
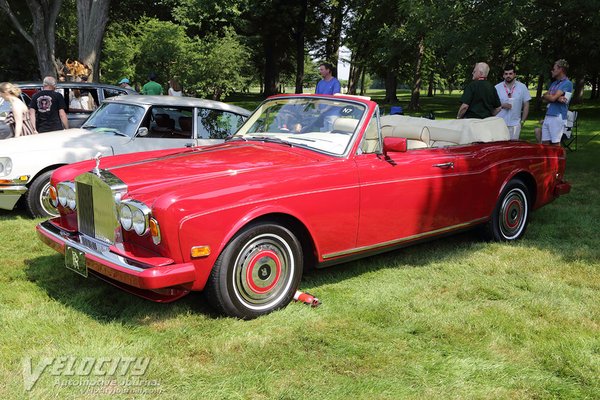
x,y
88,126
302,138
270,140
112,130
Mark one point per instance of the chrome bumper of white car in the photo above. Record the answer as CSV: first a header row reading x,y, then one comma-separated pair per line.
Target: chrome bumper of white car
x,y
9,195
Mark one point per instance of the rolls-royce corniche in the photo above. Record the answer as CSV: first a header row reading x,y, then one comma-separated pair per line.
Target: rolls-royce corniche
x,y
307,181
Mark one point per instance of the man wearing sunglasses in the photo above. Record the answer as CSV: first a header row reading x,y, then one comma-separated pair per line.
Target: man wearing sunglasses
x,y
515,98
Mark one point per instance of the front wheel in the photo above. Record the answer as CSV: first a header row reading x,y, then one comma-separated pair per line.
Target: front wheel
x,y
38,197
257,272
511,213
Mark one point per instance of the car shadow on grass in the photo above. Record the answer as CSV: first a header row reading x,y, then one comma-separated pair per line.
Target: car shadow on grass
x,y
11,215
104,302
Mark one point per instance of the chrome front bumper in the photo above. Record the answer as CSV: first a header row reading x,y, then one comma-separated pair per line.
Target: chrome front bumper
x,y
9,195
124,272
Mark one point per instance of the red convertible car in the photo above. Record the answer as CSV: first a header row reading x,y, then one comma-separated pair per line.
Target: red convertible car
x,y
307,181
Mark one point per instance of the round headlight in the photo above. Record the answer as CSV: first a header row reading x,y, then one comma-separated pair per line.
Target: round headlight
x,y
126,217
66,195
139,222
62,195
71,202
5,166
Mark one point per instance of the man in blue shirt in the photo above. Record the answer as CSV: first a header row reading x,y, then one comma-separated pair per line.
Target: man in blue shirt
x,y
329,84
557,97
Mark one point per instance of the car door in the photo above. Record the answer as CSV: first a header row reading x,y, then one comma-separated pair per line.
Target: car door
x,y
166,128
407,195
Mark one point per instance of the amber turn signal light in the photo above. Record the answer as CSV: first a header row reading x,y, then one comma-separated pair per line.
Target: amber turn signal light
x,y
154,230
53,196
200,251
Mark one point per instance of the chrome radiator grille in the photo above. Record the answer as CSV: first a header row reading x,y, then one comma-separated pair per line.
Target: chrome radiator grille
x,y
96,207
85,209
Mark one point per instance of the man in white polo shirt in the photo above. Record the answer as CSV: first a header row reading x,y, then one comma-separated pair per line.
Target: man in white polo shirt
x,y
515,98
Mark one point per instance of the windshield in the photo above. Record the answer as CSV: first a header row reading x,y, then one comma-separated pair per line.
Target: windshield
x,y
326,125
116,118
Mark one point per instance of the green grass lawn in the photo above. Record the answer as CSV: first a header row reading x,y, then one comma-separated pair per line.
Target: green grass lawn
x,y
453,318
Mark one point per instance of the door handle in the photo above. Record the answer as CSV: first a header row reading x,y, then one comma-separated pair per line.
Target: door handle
x,y
448,165
189,145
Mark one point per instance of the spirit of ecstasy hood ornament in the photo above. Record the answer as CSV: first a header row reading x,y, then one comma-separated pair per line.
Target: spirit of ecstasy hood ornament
x,y
96,169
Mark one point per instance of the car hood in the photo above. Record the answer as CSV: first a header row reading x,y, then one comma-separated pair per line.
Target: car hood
x,y
73,138
210,167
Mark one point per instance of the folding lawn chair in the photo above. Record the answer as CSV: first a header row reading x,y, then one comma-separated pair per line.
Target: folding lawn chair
x,y
569,137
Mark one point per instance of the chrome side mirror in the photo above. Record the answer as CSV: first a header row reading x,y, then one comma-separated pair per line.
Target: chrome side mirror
x,y
143,131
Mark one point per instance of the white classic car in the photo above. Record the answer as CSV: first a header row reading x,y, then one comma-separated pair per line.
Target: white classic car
x,y
124,124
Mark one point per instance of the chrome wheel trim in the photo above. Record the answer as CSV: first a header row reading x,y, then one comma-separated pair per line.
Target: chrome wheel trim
x,y
45,202
263,271
513,214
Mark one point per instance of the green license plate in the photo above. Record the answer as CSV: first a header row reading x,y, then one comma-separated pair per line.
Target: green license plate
x,y
75,261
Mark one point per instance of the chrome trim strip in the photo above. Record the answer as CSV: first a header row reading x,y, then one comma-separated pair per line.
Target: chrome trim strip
x,y
17,181
13,189
406,239
74,241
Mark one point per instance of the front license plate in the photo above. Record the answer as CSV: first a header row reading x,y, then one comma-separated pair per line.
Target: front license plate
x,y
75,261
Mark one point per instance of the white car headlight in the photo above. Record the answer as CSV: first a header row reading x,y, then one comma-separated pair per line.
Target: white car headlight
x,y
5,166
126,217
140,224
66,194
134,215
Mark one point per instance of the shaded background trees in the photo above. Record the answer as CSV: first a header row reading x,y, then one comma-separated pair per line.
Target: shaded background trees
x,y
216,47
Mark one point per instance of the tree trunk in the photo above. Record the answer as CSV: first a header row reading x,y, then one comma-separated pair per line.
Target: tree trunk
x,y
594,94
353,78
356,70
416,90
391,84
92,17
362,82
431,85
42,37
271,72
334,35
538,94
300,28
578,90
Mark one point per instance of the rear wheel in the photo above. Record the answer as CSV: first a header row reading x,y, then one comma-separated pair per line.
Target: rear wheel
x,y
258,272
511,213
37,199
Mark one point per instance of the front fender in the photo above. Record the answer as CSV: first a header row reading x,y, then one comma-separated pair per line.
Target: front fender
x,y
217,229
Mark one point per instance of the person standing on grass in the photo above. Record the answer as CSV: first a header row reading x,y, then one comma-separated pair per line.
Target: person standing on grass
x,y
480,99
18,117
47,108
152,87
329,84
175,88
515,98
557,97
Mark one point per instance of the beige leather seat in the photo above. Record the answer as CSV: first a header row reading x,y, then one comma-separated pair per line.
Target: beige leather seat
x,y
442,133
344,125
417,135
